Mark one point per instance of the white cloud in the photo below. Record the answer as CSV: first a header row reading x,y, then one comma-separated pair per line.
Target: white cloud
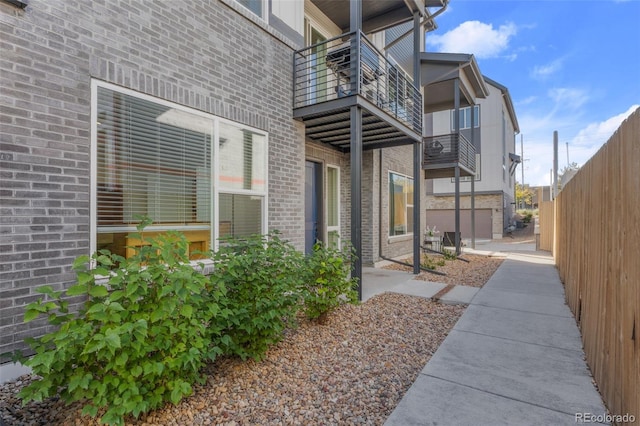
x,y
542,72
584,140
527,101
568,98
596,134
483,40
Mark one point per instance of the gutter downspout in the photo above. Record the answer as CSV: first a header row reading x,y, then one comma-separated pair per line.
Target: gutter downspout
x,y
426,19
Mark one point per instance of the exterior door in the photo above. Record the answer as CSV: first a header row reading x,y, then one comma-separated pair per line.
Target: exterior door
x,y
312,205
317,64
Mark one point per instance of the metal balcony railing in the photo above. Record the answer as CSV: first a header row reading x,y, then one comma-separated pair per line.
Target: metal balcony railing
x,y
336,68
446,150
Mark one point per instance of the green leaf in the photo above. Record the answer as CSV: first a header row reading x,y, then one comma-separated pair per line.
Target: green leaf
x,y
105,260
186,311
136,371
112,339
98,291
31,314
47,289
76,290
121,359
89,410
96,308
116,295
80,263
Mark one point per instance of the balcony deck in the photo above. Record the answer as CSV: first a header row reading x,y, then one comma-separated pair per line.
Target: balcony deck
x,y
443,153
332,76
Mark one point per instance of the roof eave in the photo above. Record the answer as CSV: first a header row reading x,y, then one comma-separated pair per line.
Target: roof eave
x,y
507,100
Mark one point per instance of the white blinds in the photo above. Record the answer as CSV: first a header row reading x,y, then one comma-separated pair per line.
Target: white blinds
x,y
152,160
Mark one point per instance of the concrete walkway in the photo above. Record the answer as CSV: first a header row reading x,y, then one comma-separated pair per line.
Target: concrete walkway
x,y
514,357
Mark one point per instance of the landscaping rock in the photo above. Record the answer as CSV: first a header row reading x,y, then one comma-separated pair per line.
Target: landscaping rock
x,y
354,369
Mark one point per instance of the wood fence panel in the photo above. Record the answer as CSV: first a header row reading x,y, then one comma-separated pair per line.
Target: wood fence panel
x,y
546,218
597,251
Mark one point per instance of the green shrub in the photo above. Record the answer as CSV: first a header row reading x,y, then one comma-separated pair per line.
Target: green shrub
x,y
449,254
431,262
138,341
527,217
327,284
262,275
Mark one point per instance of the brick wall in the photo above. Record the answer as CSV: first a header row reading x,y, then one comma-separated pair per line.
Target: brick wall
x,y
398,160
204,55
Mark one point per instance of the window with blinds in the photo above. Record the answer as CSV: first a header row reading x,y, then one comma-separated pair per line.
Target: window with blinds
x,y
333,207
400,204
156,160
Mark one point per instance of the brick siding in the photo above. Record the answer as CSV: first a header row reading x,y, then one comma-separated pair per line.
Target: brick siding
x,y
205,55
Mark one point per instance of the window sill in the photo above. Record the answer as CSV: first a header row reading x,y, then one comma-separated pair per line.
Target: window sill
x,y
400,238
261,22
204,266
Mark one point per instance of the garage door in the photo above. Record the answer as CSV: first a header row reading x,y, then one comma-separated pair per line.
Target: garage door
x,y
444,220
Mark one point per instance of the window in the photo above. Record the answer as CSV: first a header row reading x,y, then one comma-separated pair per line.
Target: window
x,y
156,159
318,87
465,118
478,172
400,205
255,6
333,207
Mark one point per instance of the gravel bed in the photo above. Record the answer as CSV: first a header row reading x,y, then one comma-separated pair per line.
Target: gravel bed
x,y
474,273
353,369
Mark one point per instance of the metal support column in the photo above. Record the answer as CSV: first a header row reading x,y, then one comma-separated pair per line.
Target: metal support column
x,y
356,193
456,104
355,25
417,151
473,212
473,181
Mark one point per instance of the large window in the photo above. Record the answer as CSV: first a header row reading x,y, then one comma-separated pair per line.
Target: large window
x,y
333,206
256,6
400,205
178,166
465,118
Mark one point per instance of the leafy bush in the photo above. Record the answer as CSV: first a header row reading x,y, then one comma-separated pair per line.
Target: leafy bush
x,y
327,283
432,262
449,254
138,341
262,275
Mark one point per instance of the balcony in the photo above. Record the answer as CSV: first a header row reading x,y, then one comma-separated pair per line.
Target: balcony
x,y
442,154
332,76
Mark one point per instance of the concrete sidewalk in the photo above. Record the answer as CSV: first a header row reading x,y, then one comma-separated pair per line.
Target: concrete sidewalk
x,y
514,357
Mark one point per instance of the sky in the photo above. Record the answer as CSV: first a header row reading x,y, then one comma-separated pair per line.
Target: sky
x,y
570,65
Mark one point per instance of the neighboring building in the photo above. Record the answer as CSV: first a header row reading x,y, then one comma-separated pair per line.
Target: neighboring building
x,y
540,194
210,117
494,125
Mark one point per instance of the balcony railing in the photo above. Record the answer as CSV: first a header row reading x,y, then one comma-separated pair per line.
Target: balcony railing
x,y
446,150
336,68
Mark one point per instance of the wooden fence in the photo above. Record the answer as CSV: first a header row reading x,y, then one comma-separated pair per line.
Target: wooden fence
x,y
544,240
597,251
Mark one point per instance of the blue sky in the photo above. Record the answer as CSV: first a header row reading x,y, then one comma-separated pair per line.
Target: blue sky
x,y
570,65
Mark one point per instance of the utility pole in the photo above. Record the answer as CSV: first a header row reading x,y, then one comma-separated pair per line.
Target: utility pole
x,y
522,166
568,163
555,164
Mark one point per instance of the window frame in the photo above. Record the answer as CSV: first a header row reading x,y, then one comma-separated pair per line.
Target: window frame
x,y
408,203
466,123
333,228
263,6
215,168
